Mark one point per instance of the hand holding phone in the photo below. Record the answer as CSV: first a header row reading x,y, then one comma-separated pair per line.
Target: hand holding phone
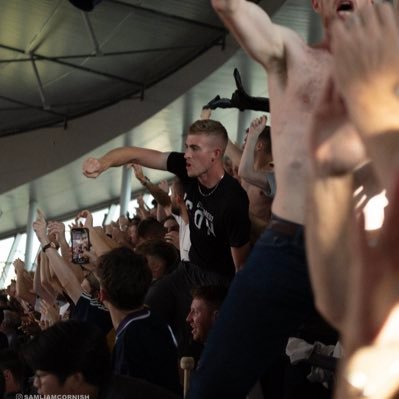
x,y
80,242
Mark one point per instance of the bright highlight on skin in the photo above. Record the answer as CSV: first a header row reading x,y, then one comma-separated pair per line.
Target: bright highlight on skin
x,y
374,211
374,370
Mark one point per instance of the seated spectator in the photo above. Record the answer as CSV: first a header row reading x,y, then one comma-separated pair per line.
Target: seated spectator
x,y
162,257
14,373
144,346
73,358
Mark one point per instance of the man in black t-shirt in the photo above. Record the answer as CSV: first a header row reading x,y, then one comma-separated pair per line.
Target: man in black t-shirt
x,y
218,212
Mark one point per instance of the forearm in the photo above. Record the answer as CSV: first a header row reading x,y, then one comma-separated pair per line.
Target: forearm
x,y
162,213
160,196
65,250
328,223
374,111
246,169
234,153
142,156
23,288
101,242
37,285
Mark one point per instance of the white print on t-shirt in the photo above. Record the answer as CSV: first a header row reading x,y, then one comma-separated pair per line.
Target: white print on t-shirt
x,y
200,215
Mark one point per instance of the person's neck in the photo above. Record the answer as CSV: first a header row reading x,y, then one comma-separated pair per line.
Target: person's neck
x,y
212,176
118,315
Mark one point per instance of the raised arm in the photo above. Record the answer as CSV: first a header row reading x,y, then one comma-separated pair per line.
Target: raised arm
x,y
366,65
61,268
158,193
93,167
253,29
246,169
24,283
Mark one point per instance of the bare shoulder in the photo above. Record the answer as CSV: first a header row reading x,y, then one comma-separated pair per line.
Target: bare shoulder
x,y
296,50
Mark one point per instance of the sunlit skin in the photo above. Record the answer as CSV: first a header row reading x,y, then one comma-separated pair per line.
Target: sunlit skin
x,y
200,319
330,10
203,158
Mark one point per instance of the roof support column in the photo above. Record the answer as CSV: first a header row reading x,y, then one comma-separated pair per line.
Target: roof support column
x,y
33,206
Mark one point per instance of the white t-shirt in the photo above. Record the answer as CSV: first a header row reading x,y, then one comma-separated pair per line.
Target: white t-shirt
x,y
184,237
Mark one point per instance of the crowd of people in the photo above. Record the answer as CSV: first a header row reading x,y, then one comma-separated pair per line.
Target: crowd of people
x,y
248,249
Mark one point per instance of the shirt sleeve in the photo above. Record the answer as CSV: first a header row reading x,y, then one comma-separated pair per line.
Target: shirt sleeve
x,y
176,164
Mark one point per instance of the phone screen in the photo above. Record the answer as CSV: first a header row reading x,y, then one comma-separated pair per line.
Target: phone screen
x,y
80,242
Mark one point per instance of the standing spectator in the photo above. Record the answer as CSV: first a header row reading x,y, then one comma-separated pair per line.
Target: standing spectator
x,y
219,229
144,346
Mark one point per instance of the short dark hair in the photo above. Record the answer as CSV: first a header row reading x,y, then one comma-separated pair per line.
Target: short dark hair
x,y
125,277
213,295
209,127
265,137
161,249
69,347
150,228
10,360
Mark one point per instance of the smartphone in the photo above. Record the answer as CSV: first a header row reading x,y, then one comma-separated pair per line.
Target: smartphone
x,y
80,242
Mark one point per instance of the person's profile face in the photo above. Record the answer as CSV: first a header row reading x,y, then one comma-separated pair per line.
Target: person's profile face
x,y
48,384
199,154
200,319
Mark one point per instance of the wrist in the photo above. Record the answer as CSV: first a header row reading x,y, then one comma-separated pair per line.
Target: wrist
x,y
145,181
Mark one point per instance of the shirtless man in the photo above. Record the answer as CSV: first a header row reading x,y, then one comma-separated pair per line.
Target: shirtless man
x,y
272,295
258,159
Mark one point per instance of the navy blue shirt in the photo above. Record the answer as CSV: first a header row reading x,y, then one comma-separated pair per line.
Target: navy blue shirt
x,y
91,310
145,348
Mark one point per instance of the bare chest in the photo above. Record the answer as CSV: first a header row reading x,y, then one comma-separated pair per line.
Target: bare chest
x,y
306,78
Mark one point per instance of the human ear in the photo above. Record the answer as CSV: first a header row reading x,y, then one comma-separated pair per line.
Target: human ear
x,y
316,5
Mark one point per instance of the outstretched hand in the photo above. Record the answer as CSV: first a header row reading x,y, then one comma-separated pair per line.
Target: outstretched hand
x,y
366,66
40,226
85,214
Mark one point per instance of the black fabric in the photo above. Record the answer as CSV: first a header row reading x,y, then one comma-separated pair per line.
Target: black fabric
x,y
217,222
3,341
145,349
91,310
123,387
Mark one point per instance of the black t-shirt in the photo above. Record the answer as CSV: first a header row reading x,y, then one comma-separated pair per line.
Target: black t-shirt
x,y
218,221
145,348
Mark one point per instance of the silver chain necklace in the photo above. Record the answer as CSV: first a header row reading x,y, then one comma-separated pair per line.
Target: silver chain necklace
x,y
212,191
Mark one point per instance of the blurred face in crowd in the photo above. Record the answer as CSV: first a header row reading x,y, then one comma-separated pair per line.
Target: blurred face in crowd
x,y
49,384
171,225
132,232
332,9
201,319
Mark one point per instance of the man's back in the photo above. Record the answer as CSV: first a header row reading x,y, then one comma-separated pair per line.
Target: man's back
x,y
145,349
